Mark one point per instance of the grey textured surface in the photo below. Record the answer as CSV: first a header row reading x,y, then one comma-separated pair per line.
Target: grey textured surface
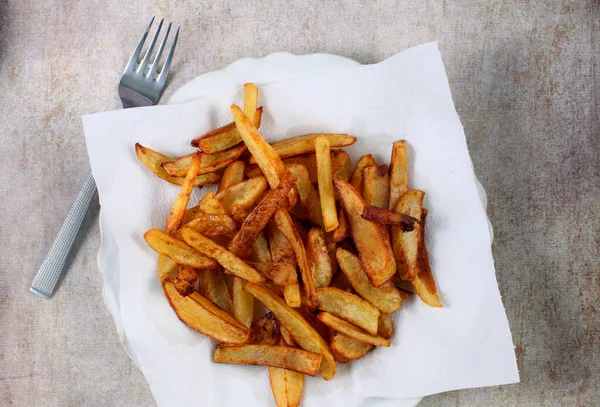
x,y
523,76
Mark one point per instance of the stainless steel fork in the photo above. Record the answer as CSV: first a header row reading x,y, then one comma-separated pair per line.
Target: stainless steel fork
x,y
140,85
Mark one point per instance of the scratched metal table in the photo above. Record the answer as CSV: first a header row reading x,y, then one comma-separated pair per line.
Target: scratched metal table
x,y
523,76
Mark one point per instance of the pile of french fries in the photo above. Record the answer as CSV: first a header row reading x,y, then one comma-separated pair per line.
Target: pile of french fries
x,y
330,252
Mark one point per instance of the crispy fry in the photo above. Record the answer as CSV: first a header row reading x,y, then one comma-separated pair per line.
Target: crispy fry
x,y
349,348
210,205
340,358
269,355
153,161
406,244
287,337
343,230
371,240
208,162
303,333
315,322
186,279
282,252
178,211
212,285
191,214
257,220
318,258
341,166
423,282
265,331
356,179
233,264
244,194
242,302
260,252
250,103
351,331
267,159
286,226
385,328
308,197
376,186
386,297
166,267
328,209
282,274
233,174
398,173
388,217
306,144
349,307
214,225
177,250
340,281
238,214
287,386
203,316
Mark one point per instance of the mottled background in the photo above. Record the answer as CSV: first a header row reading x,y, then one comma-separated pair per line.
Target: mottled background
x,y
523,76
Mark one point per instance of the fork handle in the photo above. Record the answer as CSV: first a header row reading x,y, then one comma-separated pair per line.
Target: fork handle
x,y
53,266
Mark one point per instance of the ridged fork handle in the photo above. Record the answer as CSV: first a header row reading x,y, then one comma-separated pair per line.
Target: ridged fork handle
x,y
53,266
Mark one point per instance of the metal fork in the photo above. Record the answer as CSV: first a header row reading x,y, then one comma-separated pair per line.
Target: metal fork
x,y
140,85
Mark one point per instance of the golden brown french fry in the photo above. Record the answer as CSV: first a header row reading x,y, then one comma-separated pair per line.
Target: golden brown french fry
x,y
270,355
341,167
328,209
232,264
282,274
210,205
340,281
349,348
203,316
233,174
306,144
406,244
350,330
318,258
177,250
178,210
191,214
376,186
153,161
256,221
348,306
398,173
260,252
166,267
343,230
265,331
242,302
340,358
287,386
356,179
186,279
245,194
315,322
423,282
389,217
212,285
238,214
282,252
385,298
287,337
308,197
214,225
208,162
251,104
267,159
303,333
386,326
284,223
371,240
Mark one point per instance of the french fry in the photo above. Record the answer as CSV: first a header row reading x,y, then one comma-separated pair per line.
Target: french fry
x,y
308,197
269,355
343,230
285,224
318,258
203,316
351,331
385,298
349,307
256,221
191,214
340,281
423,282
376,186
315,322
398,173
166,267
406,244
177,250
282,252
242,302
328,209
340,358
245,194
178,210
371,240
341,167
153,161
233,174
349,348
238,214
287,337
212,285
267,159
208,162
303,333
385,328
356,179
260,252
265,331
306,144
186,279
287,386
389,217
214,225
232,264
282,274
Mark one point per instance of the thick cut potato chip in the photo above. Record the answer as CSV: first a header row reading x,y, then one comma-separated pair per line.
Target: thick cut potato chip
x,y
153,161
351,331
306,144
242,302
232,264
349,307
318,258
303,333
385,298
178,210
386,326
284,357
349,348
178,251
389,217
406,244
376,186
328,209
208,162
371,240
256,221
233,174
245,194
357,178
423,282
186,279
307,196
203,316
398,173
287,386
212,285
